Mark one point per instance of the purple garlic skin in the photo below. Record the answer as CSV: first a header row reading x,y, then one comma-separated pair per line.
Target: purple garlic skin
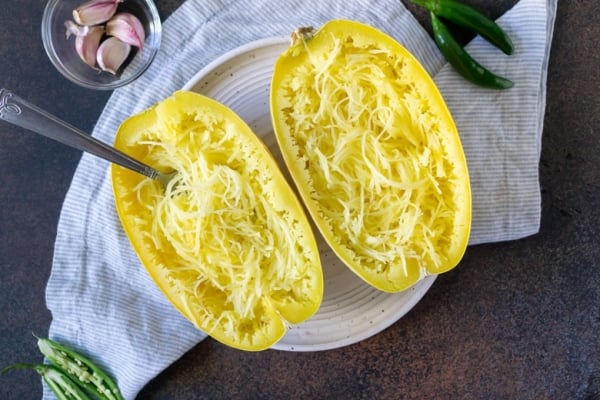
x,y
87,45
128,28
95,12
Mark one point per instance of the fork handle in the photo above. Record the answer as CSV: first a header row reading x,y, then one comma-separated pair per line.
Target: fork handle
x,y
20,112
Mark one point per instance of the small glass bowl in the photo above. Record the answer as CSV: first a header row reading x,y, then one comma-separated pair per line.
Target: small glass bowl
x,y
63,55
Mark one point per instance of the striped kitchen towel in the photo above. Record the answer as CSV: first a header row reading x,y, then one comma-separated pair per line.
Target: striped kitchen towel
x,y
102,300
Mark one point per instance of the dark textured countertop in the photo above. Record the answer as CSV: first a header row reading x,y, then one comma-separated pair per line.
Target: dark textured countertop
x,y
515,320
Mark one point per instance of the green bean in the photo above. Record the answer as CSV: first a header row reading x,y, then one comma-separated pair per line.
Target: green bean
x,y
63,387
81,369
470,18
462,61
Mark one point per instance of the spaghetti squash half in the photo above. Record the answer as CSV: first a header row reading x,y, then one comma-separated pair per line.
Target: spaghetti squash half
x,y
374,153
227,241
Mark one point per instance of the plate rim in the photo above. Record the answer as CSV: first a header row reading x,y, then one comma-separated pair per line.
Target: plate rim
x,y
230,55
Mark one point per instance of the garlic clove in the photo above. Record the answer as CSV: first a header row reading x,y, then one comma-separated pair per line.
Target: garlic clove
x,y
111,54
128,28
87,45
75,29
95,12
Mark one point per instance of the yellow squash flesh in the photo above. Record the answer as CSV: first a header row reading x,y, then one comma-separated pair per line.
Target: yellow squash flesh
x,y
228,242
374,153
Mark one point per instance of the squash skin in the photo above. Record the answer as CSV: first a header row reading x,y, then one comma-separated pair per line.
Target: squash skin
x,y
273,311
284,107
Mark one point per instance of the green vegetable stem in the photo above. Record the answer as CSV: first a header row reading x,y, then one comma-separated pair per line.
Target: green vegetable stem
x,y
462,61
470,18
81,369
63,387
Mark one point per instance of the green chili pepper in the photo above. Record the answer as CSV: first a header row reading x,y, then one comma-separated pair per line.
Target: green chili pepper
x,y
63,387
470,18
81,369
462,61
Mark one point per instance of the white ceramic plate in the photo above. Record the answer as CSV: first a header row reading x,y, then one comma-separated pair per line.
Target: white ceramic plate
x,y
351,310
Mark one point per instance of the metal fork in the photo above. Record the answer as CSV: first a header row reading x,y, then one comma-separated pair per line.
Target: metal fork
x,y
19,112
